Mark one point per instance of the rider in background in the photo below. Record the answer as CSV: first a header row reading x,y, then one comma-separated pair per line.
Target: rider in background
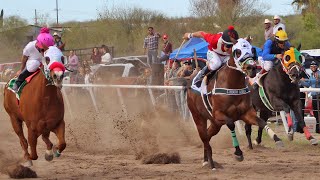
x,y
219,49
273,49
314,82
32,55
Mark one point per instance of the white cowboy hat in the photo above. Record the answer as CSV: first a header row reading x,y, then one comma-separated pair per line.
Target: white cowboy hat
x,y
276,17
267,21
56,34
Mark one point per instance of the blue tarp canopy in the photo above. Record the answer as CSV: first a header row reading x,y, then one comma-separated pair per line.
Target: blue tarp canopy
x,y
199,44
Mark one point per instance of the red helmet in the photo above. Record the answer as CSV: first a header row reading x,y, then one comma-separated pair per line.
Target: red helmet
x,y
165,36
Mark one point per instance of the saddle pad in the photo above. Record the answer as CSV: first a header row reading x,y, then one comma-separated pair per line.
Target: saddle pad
x,y
24,83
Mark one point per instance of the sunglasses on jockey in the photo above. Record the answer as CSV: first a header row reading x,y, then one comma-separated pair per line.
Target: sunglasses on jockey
x,y
228,45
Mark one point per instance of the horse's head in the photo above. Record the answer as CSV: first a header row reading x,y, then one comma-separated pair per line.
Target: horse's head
x,y
292,61
54,60
243,56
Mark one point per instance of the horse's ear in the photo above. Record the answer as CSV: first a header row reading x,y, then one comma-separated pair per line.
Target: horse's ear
x,y
299,47
286,48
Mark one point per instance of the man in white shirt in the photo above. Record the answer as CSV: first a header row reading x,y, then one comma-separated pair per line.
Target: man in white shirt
x,y
268,30
277,24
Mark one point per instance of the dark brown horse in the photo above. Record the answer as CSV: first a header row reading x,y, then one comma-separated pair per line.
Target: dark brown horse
x,y
282,89
230,102
41,108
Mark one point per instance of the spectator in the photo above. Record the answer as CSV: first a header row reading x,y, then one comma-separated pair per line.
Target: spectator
x,y
268,30
314,82
151,43
58,42
187,70
73,63
176,68
277,24
166,49
106,56
96,56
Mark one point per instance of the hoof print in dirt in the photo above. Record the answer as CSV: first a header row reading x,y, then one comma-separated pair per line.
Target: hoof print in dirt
x,y
162,158
19,172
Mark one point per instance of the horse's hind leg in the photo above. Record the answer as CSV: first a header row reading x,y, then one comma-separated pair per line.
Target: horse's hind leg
x,y
17,126
250,117
60,132
248,134
45,137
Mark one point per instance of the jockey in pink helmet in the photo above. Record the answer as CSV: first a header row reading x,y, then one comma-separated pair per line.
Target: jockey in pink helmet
x,y
32,55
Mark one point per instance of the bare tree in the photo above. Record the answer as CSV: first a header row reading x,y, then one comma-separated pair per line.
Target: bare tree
x,y
203,8
227,11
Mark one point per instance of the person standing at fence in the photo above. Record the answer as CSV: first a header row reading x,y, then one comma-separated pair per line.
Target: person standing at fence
x,y
73,63
278,25
314,82
106,57
58,41
151,43
268,29
95,56
166,49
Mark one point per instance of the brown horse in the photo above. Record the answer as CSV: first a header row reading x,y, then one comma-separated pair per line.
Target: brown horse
x,y
41,108
226,107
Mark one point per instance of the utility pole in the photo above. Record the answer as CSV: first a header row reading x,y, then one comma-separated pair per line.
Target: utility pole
x,y
57,9
35,17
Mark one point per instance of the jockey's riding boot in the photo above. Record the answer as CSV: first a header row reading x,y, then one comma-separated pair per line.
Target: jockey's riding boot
x,y
24,74
203,72
257,78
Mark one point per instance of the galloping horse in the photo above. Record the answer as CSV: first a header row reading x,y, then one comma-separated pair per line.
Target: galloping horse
x,y
230,101
282,89
41,108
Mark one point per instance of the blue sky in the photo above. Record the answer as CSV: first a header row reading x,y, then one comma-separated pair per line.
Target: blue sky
x,y
81,10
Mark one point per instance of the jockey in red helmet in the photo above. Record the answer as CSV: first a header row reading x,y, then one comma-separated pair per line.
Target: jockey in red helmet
x,y
219,49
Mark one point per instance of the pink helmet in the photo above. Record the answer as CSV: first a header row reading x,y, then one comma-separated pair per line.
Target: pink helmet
x,y
44,39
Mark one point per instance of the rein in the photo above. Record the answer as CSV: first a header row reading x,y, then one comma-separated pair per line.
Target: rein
x,y
232,92
288,70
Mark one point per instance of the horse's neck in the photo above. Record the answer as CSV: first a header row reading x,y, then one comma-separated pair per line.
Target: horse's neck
x,y
283,75
42,84
229,77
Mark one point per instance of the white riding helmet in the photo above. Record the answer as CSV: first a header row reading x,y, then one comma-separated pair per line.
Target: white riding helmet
x,y
242,50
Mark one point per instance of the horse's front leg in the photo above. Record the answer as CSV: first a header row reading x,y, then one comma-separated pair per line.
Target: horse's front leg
x,y
60,133
251,117
49,153
230,123
296,107
279,104
32,139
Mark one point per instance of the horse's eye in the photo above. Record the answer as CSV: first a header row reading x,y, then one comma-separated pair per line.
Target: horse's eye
x,y
237,53
287,58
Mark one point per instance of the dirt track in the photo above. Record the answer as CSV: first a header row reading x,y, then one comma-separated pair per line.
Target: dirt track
x,y
106,146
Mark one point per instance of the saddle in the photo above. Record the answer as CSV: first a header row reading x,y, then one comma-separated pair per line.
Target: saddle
x,y
25,82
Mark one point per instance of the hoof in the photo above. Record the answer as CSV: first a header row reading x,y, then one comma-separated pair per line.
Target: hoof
x,y
56,152
255,142
290,137
27,163
314,141
250,147
213,169
279,144
205,164
48,155
239,158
